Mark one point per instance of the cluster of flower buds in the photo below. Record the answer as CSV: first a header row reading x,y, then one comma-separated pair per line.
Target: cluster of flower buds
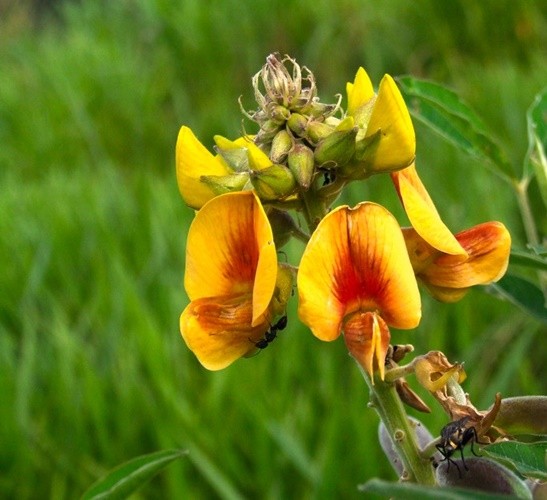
x,y
309,140
302,143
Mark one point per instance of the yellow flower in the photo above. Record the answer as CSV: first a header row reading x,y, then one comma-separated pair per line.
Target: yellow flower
x,y
238,166
448,277
355,276
231,276
386,140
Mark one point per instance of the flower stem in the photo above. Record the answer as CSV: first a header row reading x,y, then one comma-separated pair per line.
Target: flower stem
x,y
530,228
521,189
387,404
314,208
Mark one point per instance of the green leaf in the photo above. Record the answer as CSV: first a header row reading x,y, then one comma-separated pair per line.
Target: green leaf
x,y
526,458
522,293
444,112
130,476
412,491
523,258
536,157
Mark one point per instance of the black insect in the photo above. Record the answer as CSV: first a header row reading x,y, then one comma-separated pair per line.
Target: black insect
x,y
328,177
454,436
271,334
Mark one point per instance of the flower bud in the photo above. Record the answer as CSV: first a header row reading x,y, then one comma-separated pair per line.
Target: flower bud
x,y
301,164
298,124
234,153
321,110
318,130
273,183
336,149
267,132
280,114
281,145
481,474
221,184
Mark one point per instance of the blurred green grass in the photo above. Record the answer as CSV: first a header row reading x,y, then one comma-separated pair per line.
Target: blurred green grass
x,y
93,371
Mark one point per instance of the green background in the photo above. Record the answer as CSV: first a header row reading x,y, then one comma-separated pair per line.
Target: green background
x,y
92,368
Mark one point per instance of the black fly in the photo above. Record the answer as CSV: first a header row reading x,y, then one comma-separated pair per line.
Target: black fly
x,y
271,334
454,436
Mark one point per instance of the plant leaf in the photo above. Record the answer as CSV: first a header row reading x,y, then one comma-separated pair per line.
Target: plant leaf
x,y
526,458
528,259
522,293
412,491
130,476
536,157
444,112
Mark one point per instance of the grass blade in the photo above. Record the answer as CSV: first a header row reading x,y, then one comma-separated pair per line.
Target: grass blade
x,y
130,476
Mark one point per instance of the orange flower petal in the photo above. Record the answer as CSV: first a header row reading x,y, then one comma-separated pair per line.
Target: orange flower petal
x,y
448,277
422,212
192,161
356,260
367,338
383,267
217,330
488,246
230,251
397,146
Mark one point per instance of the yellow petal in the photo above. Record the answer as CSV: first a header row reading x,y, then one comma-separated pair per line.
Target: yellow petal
x,y
422,212
266,269
396,148
356,260
227,144
359,92
230,251
258,160
319,306
218,330
192,161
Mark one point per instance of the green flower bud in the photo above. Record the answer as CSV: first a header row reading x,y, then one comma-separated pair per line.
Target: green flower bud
x,y
280,114
359,166
298,124
235,158
318,131
221,184
321,110
301,164
366,147
336,149
281,145
273,183
267,132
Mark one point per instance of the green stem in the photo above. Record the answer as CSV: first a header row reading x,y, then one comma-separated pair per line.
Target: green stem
x,y
521,189
526,213
390,409
314,208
